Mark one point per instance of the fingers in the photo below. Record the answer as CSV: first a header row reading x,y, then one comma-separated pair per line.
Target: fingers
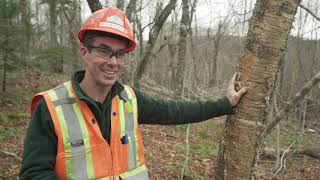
x,y
238,76
234,77
242,91
232,82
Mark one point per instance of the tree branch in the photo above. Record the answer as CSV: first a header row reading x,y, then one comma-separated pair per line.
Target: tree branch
x,y
153,35
94,5
11,154
301,94
310,12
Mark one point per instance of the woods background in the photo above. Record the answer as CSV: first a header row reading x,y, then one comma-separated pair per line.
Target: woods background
x,y
181,53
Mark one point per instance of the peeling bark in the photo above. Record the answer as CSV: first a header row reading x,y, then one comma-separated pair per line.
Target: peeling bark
x,y
266,43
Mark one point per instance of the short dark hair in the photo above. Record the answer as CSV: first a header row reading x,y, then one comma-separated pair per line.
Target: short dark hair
x,y
90,35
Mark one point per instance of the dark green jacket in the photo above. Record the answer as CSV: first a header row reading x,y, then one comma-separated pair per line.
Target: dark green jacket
x,y
40,147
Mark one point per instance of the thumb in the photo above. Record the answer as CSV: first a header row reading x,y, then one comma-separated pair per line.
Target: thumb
x,y
242,91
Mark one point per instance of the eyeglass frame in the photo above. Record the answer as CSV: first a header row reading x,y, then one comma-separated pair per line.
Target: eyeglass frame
x,y
113,52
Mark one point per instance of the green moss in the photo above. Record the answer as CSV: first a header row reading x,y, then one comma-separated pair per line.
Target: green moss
x,y
7,132
9,115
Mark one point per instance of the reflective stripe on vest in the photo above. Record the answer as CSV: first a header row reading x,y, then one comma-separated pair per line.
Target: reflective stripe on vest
x,y
128,117
72,119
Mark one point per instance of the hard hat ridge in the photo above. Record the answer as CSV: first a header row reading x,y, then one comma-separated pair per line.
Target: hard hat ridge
x,y
111,20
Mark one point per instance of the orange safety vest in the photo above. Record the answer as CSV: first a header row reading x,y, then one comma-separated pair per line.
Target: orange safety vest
x,y
82,151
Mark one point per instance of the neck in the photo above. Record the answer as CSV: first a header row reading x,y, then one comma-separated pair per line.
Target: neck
x,y
94,91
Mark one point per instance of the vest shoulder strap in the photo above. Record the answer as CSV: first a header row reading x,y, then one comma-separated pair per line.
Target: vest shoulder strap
x,y
36,98
127,93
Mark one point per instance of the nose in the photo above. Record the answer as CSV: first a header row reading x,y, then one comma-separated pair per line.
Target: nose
x,y
112,60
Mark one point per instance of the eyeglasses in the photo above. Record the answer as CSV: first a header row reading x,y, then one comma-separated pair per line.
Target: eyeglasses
x,y
108,52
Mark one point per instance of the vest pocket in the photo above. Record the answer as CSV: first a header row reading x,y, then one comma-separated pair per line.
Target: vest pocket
x,y
74,159
120,156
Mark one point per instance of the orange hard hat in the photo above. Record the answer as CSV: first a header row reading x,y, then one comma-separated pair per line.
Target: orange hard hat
x,y
110,20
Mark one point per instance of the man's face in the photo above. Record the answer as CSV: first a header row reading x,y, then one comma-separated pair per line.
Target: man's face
x,y
102,69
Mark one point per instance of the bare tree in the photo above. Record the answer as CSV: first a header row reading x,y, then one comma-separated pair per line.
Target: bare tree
x,y
300,95
182,44
153,35
264,50
72,15
24,6
213,63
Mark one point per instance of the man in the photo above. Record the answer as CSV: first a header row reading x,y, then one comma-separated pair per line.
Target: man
x,y
87,128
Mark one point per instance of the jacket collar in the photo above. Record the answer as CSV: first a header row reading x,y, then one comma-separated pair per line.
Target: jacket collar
x,y
78,76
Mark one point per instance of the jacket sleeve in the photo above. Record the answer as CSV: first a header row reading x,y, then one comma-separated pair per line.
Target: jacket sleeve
x,y
40,146
153,110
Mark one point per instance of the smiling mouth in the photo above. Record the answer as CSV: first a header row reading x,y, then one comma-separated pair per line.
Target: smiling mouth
x,y
110,73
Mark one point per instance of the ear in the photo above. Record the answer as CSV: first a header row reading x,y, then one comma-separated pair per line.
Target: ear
x,y
84,53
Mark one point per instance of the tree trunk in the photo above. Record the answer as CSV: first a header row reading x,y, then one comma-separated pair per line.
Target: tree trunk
x,y
53,33
214,61
53,23
120,4
4,72
182,44
27,32
152,40
131,9
74,20
94,5
265,47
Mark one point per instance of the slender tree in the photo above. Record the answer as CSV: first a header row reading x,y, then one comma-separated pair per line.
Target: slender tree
x,y
25,18
262,56
9,39
153,35
182,44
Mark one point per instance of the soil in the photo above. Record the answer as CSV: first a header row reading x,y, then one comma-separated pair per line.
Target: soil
x,y
164,146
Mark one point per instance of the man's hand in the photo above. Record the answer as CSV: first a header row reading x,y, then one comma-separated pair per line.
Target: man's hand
x,y
232,94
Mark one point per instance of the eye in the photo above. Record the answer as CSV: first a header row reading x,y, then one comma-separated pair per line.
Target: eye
x,y
104,51
122,54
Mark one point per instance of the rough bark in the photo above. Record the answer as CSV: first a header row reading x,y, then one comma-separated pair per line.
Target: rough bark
x,y
182,44
262,56
153,35
94,5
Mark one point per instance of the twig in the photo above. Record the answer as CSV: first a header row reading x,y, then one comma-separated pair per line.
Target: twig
x,y
187,152
285,152
301,94
310,12
11,154
164,134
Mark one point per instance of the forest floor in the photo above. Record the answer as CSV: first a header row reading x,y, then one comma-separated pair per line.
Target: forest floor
x,y
165,146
